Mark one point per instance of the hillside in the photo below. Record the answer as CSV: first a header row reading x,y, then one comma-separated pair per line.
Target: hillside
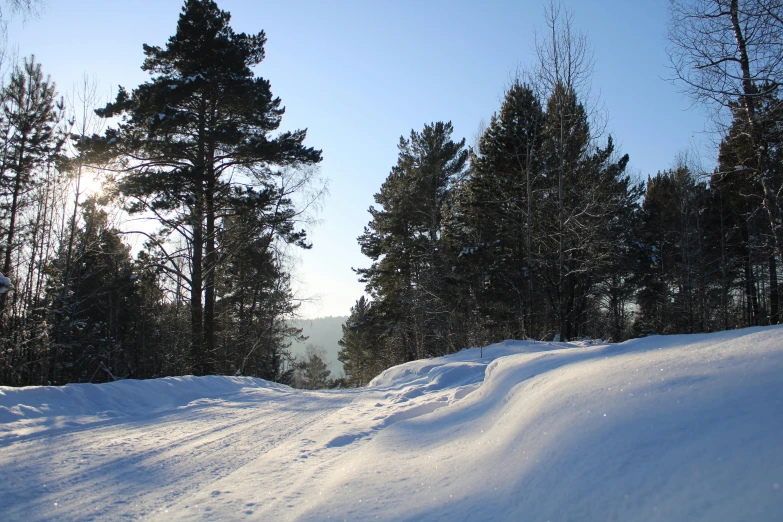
x,y
324,332
663,428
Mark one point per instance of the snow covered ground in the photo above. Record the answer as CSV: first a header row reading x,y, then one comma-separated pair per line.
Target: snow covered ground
x,y
661,428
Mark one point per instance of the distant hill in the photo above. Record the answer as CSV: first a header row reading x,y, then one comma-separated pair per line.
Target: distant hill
x,y
324,332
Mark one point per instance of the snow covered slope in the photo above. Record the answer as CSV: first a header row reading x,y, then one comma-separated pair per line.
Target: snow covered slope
x,y
661,428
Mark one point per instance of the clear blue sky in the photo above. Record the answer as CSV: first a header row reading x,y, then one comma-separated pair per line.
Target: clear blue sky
x,y
358,74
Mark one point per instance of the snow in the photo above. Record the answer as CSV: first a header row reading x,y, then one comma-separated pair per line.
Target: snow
x,y
663,428
193,78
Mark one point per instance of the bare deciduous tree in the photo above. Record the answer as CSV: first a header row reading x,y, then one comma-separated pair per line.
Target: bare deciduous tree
x,y
728,54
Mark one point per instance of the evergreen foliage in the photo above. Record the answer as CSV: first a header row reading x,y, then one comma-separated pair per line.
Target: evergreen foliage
x,y
361,358
547,237
538,232
492,223
405,241
196,149
195,145
30,114
312,371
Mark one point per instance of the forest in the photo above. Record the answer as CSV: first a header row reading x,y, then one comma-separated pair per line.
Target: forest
x,y
537,231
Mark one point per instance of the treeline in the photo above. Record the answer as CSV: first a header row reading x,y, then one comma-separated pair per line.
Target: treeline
x,y
539,232
217,194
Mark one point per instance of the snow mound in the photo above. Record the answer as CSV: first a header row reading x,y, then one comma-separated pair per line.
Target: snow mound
x,y
663,428
117,399
684,427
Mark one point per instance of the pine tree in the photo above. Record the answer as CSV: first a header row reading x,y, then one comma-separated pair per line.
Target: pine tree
x,y
30,114
676,274
404,240
544,224
727,54
359,345
90,314
203,122
255,301
746,235
315,372
584,190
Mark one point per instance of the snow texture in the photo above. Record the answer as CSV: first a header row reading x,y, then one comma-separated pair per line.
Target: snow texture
x,y
663,428
5,283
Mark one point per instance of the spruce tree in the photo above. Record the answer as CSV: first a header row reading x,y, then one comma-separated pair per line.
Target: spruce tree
x,y
746,235
255,301
584,190
496,215
359,352
675,274
90,314
315,372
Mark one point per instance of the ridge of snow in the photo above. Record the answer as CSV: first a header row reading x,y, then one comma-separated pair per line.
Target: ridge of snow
x,y
21,408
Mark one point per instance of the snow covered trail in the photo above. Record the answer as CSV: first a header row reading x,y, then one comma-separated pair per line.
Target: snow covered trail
x,y
134,466
134,448
664,428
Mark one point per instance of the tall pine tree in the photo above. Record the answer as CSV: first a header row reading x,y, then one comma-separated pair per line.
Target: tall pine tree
x,y
404,240
203,122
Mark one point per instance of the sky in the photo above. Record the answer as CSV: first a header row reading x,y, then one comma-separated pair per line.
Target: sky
x,y
360,74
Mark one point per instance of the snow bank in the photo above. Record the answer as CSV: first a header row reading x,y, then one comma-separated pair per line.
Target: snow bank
x,y
663,428
74,402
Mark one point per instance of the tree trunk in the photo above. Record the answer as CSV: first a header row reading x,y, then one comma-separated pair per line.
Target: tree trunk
x,y
774,298
210,263
768,184
529,247
724,279
563,314
750,289
199,357
196,304
12,225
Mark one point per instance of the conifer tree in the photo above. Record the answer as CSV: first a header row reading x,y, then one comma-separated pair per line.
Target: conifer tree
x,y
256,299
670,298
90,315
727,54
404,240
492,227
746,237
30,114
585,190
359,351
315,372
203,122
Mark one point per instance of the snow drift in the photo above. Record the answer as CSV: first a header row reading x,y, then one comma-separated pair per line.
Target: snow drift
x,y
663,428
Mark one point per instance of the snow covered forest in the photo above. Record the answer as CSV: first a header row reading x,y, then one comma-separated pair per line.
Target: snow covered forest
x,y
544,333
539,232
535,231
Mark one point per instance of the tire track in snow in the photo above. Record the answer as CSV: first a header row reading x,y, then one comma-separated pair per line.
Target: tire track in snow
x,y
321,449
84,475
129,467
